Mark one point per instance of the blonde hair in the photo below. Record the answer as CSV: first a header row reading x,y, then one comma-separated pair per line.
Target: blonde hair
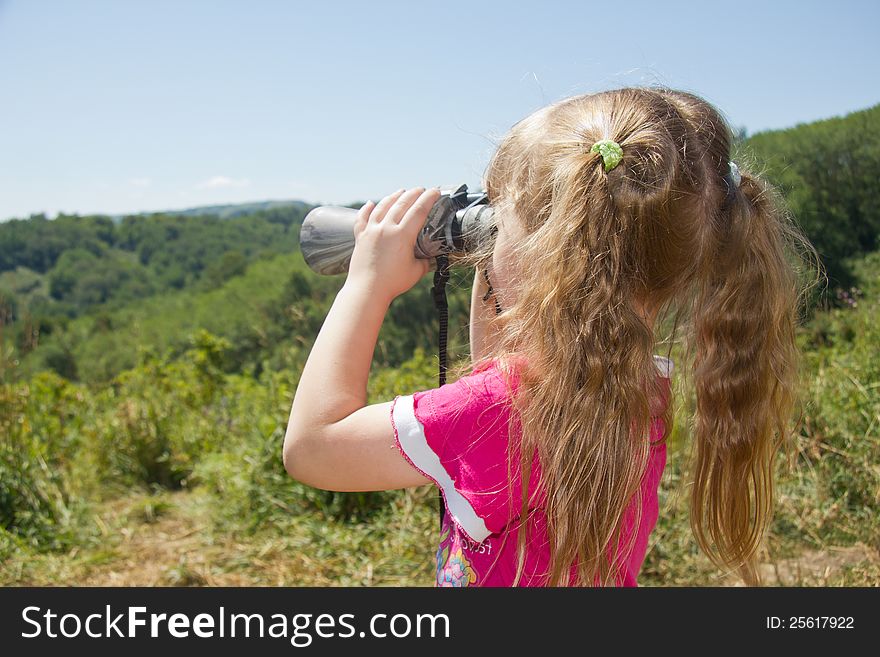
x,y
660,228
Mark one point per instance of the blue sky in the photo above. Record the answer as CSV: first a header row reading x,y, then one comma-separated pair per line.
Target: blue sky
x,y
127,106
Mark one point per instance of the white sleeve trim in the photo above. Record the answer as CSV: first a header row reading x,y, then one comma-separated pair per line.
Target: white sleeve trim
x,y
664,365
413,442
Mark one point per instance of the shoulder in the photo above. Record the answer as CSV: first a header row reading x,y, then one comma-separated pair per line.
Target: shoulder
x,y
489,384
456,435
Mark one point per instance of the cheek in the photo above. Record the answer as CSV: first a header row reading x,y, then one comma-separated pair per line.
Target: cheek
x,y
500,272
497,266
504,265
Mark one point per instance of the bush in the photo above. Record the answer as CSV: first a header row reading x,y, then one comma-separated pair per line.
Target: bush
x,y
38,436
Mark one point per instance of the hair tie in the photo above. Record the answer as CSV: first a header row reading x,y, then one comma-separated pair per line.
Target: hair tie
x,y
735,175
610,151
732,180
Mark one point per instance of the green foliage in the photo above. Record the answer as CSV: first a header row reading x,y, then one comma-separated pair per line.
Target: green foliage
x,y
20,289
247,478
839,442
231,263
165,424
418,373
8,307
241,311
89,261
37,242
59,359
185,421
39,435
188,333
151,280
270,315
828,172
155,421
83,279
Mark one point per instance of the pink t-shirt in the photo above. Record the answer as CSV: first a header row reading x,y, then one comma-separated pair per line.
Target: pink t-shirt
x,y
457,436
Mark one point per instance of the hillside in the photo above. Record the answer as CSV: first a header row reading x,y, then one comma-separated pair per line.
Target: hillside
x,y
229,211
828,172
147,367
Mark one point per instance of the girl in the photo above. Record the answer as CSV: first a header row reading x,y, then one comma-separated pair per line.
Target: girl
x,y
616,213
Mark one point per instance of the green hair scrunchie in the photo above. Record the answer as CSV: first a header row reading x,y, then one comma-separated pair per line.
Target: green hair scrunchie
x,y
610,151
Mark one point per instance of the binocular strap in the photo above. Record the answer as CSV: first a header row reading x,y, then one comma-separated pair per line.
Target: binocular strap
x,y
441,278
490,292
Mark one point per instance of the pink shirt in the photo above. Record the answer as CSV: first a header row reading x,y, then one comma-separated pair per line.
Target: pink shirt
x,y
456,435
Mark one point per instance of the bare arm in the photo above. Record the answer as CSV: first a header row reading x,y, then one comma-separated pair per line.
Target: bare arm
x,y
334,440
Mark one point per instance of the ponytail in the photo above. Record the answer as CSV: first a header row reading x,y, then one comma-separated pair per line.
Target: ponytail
x,y
745,374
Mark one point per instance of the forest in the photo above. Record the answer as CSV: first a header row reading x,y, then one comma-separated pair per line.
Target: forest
x,y
148,363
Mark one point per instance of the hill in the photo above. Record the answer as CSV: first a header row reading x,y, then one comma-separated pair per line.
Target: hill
x,y
68,285
231,210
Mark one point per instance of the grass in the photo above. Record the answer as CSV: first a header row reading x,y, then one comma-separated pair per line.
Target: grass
x,y
82,499
181,547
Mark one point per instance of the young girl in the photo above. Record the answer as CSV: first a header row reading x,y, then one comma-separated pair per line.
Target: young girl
x,y
616,212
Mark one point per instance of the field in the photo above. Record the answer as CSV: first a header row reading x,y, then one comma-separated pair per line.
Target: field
x,y
148,365
125,492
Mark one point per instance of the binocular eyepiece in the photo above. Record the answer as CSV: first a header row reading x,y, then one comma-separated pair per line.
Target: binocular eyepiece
x,y
459,222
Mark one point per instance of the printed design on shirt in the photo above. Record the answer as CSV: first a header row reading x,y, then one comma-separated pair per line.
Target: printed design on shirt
x,y
453,567
472,546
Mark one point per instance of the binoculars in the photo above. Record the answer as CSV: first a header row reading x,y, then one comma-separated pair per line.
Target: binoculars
x,y
459,222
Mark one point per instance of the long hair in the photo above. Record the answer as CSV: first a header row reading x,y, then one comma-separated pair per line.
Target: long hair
x,y
665,229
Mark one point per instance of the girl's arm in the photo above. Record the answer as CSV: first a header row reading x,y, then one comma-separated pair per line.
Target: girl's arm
x,y
333,439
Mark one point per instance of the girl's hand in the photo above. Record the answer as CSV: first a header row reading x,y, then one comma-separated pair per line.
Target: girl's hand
x,y
385,235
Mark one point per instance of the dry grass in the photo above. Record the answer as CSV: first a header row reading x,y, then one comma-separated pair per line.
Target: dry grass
x,y
177,547
167,540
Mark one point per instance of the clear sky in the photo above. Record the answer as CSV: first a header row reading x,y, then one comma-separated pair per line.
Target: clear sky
x,y
126,106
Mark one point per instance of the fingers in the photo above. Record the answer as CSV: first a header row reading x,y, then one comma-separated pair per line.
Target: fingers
x,y
403,206
399,208
378,213
419,210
